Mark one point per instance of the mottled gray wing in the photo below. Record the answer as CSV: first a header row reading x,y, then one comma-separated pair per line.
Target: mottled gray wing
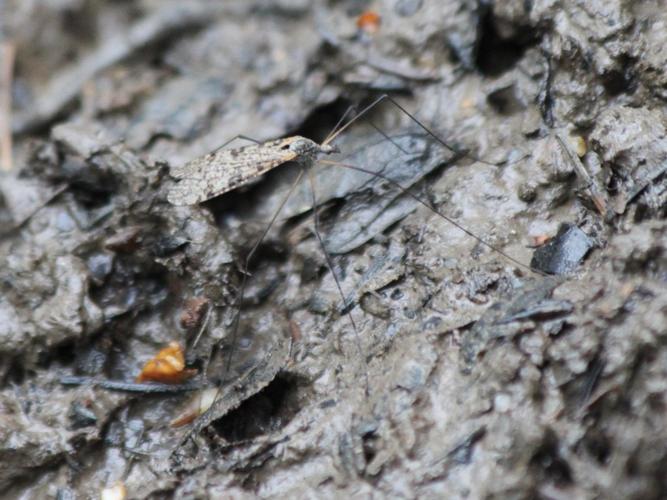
x,y
216,173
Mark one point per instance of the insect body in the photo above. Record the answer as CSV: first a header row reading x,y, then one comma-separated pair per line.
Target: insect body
x,y
227,169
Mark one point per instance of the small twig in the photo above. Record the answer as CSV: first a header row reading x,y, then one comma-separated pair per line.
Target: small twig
x,y
7,55
594,191
146,388
204,325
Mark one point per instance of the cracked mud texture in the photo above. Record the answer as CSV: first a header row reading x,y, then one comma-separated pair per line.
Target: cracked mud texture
x,y
468,376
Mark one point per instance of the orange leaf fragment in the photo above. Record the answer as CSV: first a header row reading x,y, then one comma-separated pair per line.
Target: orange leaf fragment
x,y
168,366
369,22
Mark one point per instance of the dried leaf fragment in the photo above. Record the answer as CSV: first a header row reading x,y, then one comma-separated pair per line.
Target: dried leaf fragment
x,y
167,367
198,406
369,22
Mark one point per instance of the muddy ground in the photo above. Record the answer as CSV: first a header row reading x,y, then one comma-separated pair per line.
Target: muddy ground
x,y
448,370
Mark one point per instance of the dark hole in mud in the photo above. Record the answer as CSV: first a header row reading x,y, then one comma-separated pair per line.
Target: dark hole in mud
x,y
80,24
15,373
370,444
633,466
90,196
267,411
505,101
312,270
328,215
64,353
322,120
90,182
548,462
645,207
615,82
496,55
599,446
268,254
621,80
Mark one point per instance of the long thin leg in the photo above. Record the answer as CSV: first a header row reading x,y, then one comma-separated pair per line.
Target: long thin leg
x,y
318,234
350,109
238,136
356,117
383,134
434,210
239,301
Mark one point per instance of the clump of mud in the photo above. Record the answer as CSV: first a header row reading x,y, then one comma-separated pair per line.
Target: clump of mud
x,y
431,363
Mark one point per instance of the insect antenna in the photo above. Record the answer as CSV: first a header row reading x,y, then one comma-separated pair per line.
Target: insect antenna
x,y
334,130
348,312
236,137
387,97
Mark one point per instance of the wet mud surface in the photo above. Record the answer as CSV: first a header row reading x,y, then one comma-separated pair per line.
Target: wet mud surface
x,y
445,369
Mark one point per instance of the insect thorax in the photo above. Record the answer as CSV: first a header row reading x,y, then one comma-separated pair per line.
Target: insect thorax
x,y
305,149
302,150
307,159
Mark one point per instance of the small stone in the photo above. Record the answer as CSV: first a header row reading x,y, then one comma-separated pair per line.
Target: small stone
x,y
527,192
